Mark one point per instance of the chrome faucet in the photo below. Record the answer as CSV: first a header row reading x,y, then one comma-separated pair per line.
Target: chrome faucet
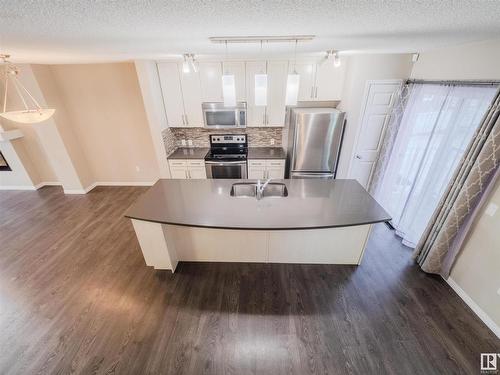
x,y
260,188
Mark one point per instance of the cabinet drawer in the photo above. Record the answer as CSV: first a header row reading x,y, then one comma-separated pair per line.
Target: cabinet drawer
x,y
256,163
275,162
196,163
177,163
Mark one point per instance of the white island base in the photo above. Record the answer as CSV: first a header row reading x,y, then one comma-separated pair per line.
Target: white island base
x,y
164,245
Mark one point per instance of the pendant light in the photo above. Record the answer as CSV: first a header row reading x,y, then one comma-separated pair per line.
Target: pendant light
x,y
261,86
28,115
228,86
293,82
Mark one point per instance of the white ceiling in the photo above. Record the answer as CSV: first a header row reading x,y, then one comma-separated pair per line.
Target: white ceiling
x,y
65,31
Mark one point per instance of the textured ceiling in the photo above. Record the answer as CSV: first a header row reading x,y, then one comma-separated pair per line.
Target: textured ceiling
x,y
90,30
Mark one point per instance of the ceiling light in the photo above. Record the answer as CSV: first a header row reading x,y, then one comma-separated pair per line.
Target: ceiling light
x,y
333,56
28,115
228,87
189,64
292,82
336,59
260,91
260,39
228,90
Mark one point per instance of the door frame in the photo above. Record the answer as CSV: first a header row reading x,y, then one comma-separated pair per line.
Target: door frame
x,y
368,84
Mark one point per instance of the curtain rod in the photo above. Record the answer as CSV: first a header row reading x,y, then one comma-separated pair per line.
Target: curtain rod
x,y
454,82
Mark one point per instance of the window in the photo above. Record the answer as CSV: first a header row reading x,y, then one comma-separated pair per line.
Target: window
x,y
437,126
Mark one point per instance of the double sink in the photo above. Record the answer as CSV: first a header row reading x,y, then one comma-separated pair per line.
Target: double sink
x,y
249,190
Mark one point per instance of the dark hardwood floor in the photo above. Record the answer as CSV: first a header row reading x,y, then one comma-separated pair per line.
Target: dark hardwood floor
x,y
76,297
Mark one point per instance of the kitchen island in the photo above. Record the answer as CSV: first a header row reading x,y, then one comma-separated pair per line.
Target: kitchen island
x,y
318,221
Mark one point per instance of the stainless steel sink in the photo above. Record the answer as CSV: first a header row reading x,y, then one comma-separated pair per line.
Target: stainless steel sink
x,y
275,189
244,189
249,190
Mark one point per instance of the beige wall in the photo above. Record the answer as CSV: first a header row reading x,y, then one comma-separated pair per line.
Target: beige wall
x,y
361,68
477,269
104,106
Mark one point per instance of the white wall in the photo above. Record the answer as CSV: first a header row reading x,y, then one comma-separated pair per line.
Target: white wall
x,y
361,68
477,268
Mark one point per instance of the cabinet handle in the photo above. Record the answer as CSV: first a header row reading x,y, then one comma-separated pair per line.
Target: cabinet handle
x,y
312,92
187,121
316,92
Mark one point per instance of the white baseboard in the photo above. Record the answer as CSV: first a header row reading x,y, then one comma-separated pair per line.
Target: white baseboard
x,y
79,191
47,183
75,191
18,187
474,307
120,183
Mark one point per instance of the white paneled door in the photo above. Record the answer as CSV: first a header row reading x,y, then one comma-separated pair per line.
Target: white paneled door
x,y
377,103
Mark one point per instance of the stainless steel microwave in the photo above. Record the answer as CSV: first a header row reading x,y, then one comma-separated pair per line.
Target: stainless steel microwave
x,y
217,116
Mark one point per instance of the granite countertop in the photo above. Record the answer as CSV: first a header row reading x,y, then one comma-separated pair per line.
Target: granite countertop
x,y
266,153
189,153
207,203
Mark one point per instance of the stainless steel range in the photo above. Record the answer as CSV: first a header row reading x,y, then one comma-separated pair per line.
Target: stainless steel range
x,y
227,157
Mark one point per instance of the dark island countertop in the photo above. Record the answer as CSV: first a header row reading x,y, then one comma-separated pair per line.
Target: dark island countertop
x,y
266,153
310,204
189,153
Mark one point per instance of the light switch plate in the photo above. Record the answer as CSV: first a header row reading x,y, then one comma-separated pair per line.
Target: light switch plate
x,y
491,209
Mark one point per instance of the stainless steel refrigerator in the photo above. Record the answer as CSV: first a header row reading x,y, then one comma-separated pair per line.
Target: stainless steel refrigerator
x,y
314,142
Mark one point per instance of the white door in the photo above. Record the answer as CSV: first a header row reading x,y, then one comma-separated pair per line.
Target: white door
x,y
329,81
277,72
238,70
191,92
306,83
255,114
377,103
211,81
172,93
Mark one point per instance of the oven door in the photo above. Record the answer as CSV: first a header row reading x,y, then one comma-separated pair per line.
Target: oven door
x,y
226,169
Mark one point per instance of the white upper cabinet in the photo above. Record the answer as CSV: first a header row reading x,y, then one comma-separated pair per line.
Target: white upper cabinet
x,y
172,93
191,93
329,81
237,68
211,81
277,73
181,95
306,82
255,114
319,81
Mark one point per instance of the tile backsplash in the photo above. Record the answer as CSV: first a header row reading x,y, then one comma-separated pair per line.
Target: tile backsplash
x,y
257,137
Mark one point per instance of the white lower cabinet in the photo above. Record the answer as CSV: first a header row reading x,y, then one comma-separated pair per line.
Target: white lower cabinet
x,y
187,168
266,168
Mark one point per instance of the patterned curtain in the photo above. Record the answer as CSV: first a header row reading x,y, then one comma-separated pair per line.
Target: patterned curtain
x,y
389,137
445,233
